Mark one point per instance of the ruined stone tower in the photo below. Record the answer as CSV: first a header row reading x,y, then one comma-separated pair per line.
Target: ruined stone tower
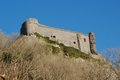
x,y
28,27
85,43
92,43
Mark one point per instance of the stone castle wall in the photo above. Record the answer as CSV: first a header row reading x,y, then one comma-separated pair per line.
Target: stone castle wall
x,y
84,43
68,38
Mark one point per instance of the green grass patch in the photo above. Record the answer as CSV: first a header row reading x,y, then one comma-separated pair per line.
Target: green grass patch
x,y
47,39
37,35
69,51
48,49
55,50
72,52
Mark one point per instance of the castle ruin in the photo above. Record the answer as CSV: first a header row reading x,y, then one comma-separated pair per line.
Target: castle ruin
x,y
85,43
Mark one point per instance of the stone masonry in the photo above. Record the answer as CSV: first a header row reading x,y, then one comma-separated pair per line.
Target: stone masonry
x,y
85,43
92,43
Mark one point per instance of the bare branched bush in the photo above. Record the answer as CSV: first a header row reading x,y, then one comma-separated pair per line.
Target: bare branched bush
x,y
7,40
113,56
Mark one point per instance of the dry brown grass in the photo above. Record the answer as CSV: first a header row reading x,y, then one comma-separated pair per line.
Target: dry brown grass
x,y
30,62
53,67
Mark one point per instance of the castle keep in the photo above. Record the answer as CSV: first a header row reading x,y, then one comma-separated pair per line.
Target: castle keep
x,y
85,43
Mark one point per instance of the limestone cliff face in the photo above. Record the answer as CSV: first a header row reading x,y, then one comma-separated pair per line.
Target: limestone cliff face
x,y
74,39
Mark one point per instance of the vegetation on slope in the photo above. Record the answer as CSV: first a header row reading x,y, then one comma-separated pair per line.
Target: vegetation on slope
x,y
25,59
68,51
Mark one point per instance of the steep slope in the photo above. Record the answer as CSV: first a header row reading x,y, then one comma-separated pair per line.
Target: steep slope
x,y
37,58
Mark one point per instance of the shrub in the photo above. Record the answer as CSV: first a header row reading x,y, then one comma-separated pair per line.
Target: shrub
x,y
48,49
55,50
62,46
73,52
53,42
37,35
7,57
47,39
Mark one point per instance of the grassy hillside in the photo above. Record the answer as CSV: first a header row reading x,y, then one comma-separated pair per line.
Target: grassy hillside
x,y
38,58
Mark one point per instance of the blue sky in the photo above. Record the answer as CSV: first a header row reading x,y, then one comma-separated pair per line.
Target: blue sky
x,y
99,16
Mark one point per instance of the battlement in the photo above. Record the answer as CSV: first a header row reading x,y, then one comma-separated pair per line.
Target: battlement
x,y
77,40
